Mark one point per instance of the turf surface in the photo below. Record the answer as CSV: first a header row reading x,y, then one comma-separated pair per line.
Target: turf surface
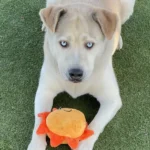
x,y
21,58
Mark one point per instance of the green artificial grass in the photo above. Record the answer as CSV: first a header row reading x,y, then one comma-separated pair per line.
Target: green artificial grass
x,y
21,56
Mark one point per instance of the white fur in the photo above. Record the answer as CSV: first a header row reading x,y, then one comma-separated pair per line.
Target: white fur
x,y
127,8
101,83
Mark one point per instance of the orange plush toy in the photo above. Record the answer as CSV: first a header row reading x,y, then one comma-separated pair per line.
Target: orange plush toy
x,y
64,126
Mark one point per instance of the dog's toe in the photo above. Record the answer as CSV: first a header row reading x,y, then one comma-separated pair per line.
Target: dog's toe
x,y
37,144
86,145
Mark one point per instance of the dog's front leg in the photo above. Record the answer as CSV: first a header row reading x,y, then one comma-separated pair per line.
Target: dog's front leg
x,y
108,109
109,98
43,103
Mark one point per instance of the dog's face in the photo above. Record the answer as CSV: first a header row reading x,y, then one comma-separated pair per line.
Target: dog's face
x,y
77,37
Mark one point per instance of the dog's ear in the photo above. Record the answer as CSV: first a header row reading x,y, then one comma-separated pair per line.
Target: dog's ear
x,y
51,16
106,20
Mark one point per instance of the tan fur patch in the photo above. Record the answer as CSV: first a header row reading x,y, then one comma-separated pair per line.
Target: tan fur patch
x,y
107,21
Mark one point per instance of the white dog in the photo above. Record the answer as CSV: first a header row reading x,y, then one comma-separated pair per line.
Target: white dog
x,y
79,42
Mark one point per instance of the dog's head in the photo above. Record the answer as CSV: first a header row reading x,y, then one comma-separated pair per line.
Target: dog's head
x,y
76,37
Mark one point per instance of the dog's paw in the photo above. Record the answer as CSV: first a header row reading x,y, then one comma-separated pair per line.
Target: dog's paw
x,y
37,144
87,144
120,44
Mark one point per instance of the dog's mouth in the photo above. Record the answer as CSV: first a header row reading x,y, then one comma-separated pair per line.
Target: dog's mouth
x,y
75,80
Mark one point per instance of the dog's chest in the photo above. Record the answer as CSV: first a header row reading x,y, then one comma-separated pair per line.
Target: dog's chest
x,y
75,90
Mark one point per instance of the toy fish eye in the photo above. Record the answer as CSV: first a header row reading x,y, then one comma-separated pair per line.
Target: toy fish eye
x,y
68,110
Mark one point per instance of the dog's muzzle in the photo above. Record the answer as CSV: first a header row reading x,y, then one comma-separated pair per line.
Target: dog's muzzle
x,y
75,75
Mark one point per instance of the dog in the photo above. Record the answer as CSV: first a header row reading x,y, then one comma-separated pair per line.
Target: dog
x,y
80,40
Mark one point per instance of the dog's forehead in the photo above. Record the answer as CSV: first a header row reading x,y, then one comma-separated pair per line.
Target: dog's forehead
x,y
78,27
73,22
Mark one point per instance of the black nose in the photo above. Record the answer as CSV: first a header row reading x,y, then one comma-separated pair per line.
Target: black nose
x,y
76,75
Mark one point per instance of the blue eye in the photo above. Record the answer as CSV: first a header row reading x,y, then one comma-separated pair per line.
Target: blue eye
x,y
64,44
89,45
